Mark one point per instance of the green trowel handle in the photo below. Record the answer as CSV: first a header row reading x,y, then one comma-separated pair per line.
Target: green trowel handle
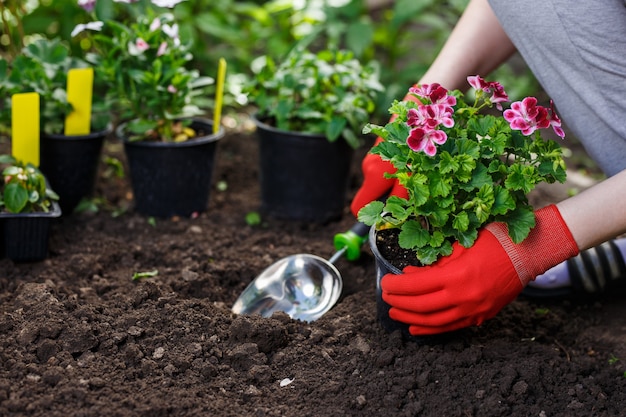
x,y
352,240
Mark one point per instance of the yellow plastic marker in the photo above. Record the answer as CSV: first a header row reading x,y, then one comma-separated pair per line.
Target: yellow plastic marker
x,y
79,95
25,127
219,95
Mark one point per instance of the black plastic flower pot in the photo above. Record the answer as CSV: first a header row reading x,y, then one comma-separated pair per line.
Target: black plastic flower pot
x,y
384,267
70,163
25,235
303,177
172,178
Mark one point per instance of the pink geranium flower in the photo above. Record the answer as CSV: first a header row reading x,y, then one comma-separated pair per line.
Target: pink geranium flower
x,y
555,122
526,116
498,95
424,140
431,116
435,93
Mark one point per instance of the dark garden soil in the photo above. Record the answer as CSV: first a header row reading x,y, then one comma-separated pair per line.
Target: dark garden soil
x,y
79,337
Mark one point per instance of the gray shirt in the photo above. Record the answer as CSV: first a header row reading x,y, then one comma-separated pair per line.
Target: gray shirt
x,y
577,51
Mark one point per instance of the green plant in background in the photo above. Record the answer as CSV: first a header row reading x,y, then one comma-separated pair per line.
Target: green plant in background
x,y
328,92
146,65
462,167
403,36
23,188
42,67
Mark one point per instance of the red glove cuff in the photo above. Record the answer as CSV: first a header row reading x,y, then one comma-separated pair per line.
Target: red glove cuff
x,y
549,243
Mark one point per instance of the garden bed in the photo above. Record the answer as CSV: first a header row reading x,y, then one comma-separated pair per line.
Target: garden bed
x,y
80,337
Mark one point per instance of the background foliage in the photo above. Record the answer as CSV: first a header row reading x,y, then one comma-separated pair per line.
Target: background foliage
x,y
403,35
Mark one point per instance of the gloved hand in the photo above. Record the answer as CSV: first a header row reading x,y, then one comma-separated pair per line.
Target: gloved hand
x,y
473,285
375,185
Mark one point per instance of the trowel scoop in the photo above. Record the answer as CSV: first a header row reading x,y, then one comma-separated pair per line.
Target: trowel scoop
x,y
304,286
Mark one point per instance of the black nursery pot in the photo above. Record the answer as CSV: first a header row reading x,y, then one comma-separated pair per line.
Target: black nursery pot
x,y
303,177
172,178
70,164
25,235
384,267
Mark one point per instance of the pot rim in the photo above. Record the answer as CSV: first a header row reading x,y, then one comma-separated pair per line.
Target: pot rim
x,y
258,121
379,257
91,135
211,137
55,211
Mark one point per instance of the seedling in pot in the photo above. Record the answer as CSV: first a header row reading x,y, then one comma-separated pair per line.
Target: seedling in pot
x,y
24,188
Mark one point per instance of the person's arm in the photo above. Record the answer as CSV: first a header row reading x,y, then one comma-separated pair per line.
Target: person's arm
x,y
476,46
598,213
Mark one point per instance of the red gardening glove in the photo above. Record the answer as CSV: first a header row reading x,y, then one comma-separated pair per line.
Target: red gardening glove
x,y
473,285
375,185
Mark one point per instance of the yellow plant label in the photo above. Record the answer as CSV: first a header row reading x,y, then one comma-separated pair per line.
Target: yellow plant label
x,y
25,127
219,94
79,95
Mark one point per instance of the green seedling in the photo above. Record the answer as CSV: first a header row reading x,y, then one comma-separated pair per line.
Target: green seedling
x,y
114,167
253,218
613,360
147,274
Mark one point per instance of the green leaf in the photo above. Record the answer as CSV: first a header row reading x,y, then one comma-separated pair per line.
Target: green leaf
x,y
15,197
413,235
466,167
480,177
521,178
461,222
519,223
147,274
439,186
503,201
359,36
482,125
370,214
448,163
396,206
467,238
335,127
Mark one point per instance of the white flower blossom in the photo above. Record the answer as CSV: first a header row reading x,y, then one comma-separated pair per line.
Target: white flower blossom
x,y
162,49
172,32
166,3
156,23
97,26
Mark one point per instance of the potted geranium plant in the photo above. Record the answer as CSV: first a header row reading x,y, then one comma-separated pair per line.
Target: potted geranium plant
x,y
27,207
158,99
310,108
69,161
462,167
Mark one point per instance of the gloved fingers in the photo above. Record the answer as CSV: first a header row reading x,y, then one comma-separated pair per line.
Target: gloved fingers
x,y
426,280
370,190
419,330
375,185
424,304
438,319
434,323
399,190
